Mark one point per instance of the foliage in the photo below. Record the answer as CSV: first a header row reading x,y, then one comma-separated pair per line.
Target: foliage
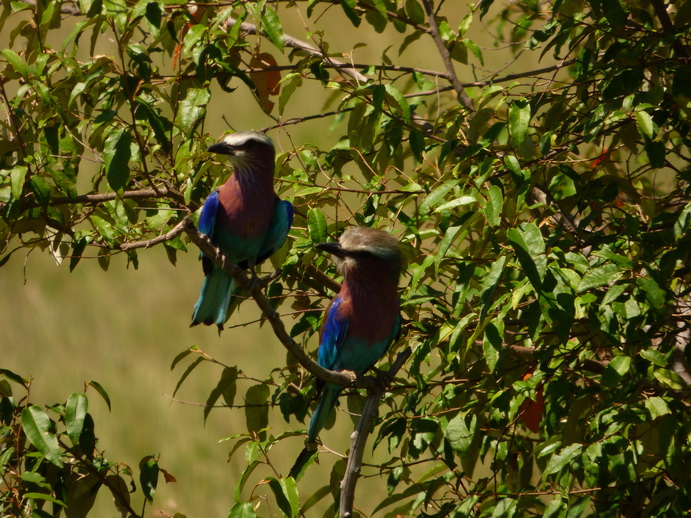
x,y
50,465
545,213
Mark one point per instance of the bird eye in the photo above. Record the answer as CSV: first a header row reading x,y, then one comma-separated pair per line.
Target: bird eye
x,y
251,144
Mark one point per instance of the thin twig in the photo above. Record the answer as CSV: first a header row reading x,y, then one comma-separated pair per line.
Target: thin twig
x,y
252,288
171,234
358,438
95,199
446,56
290,41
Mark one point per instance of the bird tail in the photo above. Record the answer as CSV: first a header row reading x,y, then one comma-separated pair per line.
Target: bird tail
x,y
321,414
212,306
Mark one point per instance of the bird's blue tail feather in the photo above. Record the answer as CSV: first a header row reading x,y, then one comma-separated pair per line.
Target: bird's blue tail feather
x,y
212,306
321,414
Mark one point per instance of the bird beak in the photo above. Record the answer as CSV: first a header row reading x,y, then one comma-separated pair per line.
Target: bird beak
x,y
221,148
332,248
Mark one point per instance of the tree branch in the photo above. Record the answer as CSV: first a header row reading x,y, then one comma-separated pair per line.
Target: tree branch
x,y
290,41
358,438
446,56
171,234
95,199
253,289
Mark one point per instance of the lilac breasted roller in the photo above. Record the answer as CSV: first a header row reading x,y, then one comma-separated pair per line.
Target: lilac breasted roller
x,y
362,321
244,218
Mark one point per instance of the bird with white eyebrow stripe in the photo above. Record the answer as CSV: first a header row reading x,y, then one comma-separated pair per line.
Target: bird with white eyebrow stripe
x,y
244,218
361,322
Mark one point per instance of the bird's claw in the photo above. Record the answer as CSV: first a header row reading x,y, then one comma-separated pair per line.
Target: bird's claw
x,y
352,375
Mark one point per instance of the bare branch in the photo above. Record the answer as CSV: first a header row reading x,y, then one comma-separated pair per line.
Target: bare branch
x,y
446,57
358,438
95,199
171,234
290,41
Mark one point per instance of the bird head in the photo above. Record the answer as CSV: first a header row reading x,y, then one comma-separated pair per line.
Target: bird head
x,y
361,246
248,150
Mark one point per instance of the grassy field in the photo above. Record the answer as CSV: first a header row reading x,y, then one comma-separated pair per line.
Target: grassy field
x,y
122,328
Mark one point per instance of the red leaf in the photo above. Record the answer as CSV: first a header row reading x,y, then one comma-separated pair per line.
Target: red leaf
x,y
531,411
266,81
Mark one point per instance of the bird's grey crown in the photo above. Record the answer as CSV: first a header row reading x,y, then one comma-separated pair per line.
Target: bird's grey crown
x,y
376,242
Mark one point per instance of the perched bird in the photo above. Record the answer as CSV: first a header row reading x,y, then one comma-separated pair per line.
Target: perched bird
x,y
244,218
362,321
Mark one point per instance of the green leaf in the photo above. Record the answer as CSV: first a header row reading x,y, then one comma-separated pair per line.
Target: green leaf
x,y
494,205
271,24
458,202
15,61
446,243
43,496
490,284
617,367
656,153
492,343
399,101
13,377
349,9
75,412
669,378
187,372
286,493
474,48
102,392
257,409
460,435
600,276
562,459
645,124
194,34
415,12
39,429
654,356
656,407
417,144
192,109
117,154
436,196
118,10
148,476
615,12
529,245
17,176
240,510
225,387
519,120
316,223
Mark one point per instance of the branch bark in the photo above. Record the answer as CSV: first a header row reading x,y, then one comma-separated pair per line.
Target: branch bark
x,y
290,41
95,199
446,56
358,438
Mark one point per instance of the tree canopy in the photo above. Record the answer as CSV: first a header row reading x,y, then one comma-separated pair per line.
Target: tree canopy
x,y
531,157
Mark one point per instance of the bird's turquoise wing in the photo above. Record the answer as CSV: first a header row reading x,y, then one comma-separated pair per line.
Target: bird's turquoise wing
x,y
281,222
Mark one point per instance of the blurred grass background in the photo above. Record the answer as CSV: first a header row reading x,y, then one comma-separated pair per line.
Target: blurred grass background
x,y
122,328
